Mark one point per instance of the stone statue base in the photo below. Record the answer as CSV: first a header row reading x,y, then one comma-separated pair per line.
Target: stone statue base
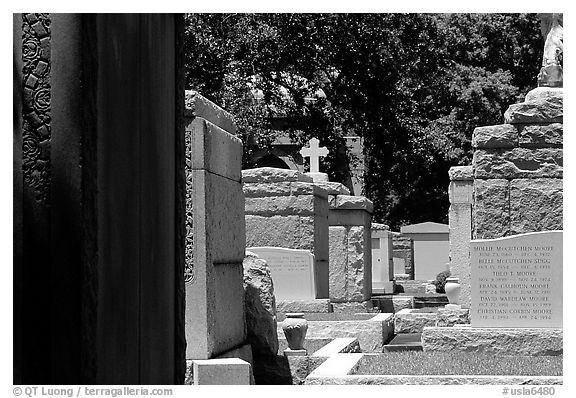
x,y
551,76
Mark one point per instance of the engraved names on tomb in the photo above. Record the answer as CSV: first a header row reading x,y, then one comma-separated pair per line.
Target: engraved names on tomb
x,y
292,272
517,281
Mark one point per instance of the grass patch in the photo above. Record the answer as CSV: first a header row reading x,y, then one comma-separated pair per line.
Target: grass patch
x,y
458,363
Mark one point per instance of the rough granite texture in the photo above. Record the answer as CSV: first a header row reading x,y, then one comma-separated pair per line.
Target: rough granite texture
x,y
433,380
536,205
460,173
491,209
394,304
541,136
318,306
352,307
497,341
260,306
407,321
537,109
347,202
499,136
272,174
333,188
293,232
453,317
518,163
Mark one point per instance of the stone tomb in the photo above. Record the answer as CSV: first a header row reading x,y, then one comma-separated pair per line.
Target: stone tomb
x,y
292,272
517,281
431,248
382,260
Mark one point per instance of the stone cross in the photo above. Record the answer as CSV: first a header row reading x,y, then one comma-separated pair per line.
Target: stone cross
x,y
314,152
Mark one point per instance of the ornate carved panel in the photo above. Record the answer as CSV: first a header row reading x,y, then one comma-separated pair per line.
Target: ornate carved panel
x,y
36,104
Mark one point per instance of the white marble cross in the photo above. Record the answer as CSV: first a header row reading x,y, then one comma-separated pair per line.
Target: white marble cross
x,y
314,152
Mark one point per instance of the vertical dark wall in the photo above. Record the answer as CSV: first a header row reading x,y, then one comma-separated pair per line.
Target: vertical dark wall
x,y
136,202
98,267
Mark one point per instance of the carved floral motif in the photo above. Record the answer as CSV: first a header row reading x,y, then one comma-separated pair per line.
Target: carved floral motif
x,y
36,104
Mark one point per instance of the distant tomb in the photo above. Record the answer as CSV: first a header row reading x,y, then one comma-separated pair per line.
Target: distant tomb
x,y
431,248
292,272
517,281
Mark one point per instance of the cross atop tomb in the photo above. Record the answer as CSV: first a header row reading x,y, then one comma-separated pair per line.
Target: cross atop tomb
x,y
314,152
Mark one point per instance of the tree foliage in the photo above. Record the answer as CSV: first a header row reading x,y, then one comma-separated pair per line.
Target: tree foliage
x,y
413,85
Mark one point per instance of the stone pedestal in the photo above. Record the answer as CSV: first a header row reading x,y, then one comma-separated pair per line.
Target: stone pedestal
x,y
350,248
460,222
284,208
518,169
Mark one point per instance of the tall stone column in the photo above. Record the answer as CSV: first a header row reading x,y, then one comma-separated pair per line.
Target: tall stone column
x,y
460,221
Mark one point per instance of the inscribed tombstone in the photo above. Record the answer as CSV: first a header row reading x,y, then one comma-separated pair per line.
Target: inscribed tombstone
x,y
292,272
517,281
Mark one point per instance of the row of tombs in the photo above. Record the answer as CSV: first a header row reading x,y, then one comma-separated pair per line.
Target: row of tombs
x,y
267,247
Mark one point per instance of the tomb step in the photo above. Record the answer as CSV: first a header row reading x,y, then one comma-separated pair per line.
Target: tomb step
x,y
438,300
405,342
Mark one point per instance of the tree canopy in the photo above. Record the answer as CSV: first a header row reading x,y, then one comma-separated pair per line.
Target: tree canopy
x,y
414,86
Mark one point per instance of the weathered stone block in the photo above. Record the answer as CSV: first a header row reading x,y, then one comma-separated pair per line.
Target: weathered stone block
x,y
260,306
333,188
199,106
499,136
460,220
409,321
352,307
497,341
491,210
448,318
272,174
293,232
303,205
317,305
304,188
541,135
518,163
349,217
460,173
338,244
541,109
230,371
359,267
215,150
536,205
347,202
258,190
460,192
543,93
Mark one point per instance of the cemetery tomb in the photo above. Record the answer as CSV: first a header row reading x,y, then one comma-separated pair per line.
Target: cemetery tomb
x,y
431,248
517,281
382,259
285,209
